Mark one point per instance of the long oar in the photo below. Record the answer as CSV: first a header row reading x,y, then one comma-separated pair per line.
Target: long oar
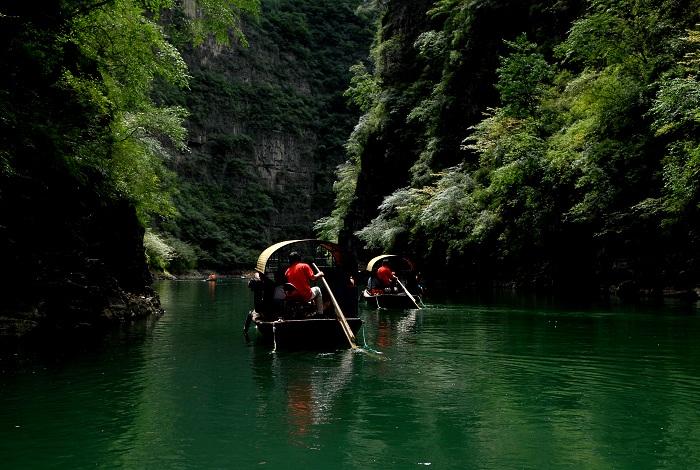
x,y
408,293
339,313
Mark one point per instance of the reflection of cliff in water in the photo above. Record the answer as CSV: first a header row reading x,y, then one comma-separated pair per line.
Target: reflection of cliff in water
x,y
77,396
299,393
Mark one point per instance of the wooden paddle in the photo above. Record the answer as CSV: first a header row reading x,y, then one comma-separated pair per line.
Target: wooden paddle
x,y
408,294
339,312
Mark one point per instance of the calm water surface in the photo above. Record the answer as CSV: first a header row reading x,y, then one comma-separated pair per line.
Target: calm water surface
x,y
483,383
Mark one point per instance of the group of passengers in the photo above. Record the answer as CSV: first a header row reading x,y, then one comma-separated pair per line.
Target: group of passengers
x,y
292,287
386,280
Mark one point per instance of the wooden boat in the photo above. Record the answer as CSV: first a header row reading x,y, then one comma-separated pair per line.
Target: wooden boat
x,y
398,300
291,325
407,294
310,333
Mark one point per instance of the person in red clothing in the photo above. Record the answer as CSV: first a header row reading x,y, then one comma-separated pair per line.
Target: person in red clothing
x,y
300,275
385,275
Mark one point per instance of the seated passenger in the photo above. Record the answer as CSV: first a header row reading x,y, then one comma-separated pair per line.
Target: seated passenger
x,y
300,275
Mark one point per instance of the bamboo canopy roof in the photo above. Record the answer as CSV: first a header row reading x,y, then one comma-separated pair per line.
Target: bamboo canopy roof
x,y
322,253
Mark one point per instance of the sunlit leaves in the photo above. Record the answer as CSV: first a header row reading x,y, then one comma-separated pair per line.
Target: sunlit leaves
x,y
640,36
364,90
692,58
470,203
129,52
158,252
219,18
677,103
449,199
585,158
138,175
676,110
381,233
122,52
397,212
522,77
682,176
328,228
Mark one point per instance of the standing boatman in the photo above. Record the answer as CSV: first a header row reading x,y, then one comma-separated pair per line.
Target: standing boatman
x,y
386,275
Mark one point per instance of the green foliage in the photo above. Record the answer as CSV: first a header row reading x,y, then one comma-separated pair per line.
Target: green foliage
x,y
364,90
220,223
286,91
158,253
676,110
472,207
568,177
104,60
396,214
641,36
219,17
522,77
166,254
132,52
328,228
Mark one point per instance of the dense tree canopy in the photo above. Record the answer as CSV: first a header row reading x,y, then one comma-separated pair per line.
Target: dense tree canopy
x,y
82,151
582,169
530,143
266,129
79,77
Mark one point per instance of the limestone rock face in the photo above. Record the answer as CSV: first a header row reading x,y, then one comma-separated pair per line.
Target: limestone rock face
x,y
279,159
270,118
73,260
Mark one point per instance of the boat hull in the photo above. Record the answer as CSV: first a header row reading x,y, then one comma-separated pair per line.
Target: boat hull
x,y
308,333
393,301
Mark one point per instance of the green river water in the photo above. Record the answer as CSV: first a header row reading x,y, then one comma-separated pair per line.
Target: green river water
x,y
507,382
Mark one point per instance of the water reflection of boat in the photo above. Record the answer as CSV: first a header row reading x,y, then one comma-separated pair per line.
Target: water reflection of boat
x,y
397,300
407,292
300,394
386,328
295,325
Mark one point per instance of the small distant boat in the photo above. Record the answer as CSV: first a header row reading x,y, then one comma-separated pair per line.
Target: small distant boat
x,y
398,297
211,278
290,325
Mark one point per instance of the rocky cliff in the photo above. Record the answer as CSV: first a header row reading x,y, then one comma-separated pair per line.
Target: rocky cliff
x,y
72,260
267,130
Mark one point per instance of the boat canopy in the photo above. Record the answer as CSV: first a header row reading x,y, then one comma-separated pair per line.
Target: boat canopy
x,y
323,254
401,262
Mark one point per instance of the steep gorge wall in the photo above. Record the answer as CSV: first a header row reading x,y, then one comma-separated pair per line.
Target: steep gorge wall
x,y
395,145
245,102
71,250
269,124
461,64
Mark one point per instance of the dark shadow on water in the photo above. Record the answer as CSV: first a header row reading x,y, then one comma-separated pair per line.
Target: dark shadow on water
x,y
569,301
52,348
